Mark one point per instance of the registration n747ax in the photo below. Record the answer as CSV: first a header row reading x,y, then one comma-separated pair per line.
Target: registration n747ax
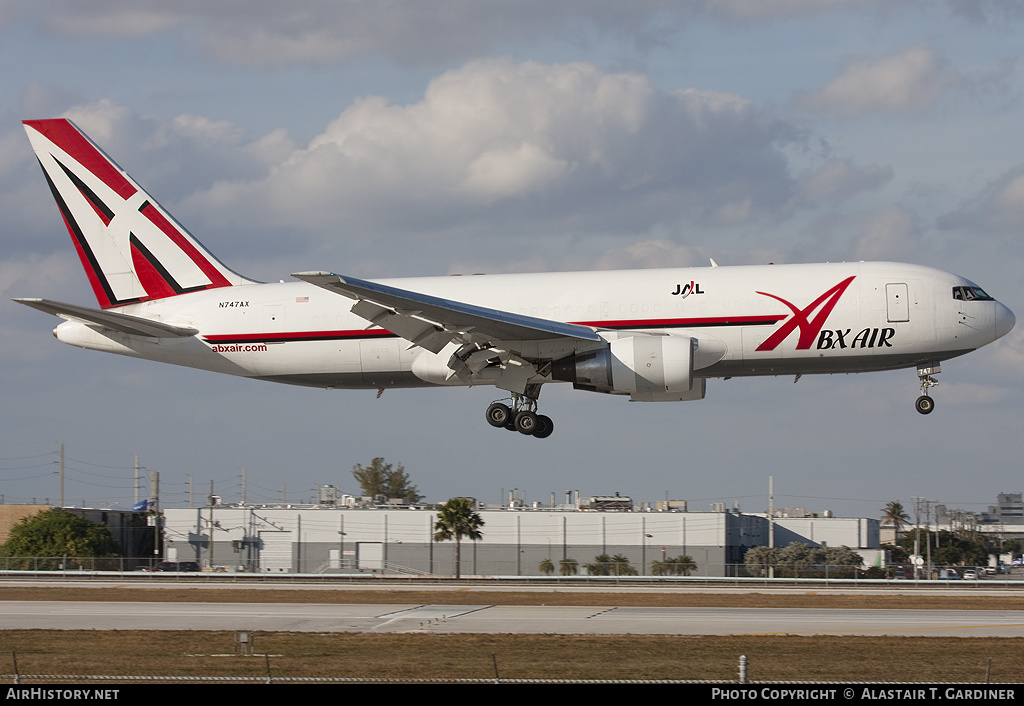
x,y
651,335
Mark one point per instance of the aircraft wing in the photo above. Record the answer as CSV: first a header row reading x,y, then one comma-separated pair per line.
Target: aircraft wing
x,y
124,323
432,322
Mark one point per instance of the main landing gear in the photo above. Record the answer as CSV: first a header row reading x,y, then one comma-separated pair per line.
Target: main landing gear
x,y
521,416
926,404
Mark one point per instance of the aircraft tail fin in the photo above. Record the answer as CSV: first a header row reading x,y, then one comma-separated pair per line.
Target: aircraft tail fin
x,y
131,248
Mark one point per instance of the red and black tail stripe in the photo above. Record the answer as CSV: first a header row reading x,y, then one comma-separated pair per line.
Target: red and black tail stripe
x,y
100,286
154,277
157,218
105,213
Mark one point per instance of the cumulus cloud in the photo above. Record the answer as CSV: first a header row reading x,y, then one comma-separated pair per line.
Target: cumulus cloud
x,y
650,254
998,207
210,150
495,157
57,275
321,32
776,9
838,180
908,84
889,235
984,11
1008,352
40,275
568,145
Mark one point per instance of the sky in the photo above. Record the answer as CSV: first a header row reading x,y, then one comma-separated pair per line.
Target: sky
x,y
436,137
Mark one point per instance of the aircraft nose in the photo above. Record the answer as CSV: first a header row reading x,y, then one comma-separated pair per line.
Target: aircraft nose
x,y
1005,320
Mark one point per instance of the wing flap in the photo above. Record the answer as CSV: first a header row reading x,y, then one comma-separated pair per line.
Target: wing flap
x,y
123,323
433,319
428,334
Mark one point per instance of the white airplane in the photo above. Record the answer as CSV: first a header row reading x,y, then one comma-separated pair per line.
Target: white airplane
x,y
654,335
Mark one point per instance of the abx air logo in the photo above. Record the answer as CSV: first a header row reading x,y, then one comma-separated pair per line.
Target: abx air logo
x,y
809,327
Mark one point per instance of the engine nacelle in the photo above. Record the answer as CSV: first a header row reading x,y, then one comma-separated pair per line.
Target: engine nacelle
x,y
645,367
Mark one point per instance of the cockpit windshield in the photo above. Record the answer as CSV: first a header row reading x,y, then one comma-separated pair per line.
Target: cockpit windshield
x,y
970,294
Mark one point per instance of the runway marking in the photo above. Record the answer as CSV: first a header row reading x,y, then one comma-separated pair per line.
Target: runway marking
x,y
428,613
434,611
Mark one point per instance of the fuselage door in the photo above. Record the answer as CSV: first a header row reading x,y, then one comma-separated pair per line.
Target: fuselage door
x,y
897,302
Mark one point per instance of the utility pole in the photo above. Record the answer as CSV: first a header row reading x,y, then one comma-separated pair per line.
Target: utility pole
x,y
211,525
771,522
928,537
60,500
154,504
917,535
154,490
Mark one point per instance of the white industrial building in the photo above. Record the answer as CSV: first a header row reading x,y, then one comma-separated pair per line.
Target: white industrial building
x,y
515,541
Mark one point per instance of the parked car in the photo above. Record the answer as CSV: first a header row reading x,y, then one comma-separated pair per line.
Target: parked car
x,y
971,574
171,566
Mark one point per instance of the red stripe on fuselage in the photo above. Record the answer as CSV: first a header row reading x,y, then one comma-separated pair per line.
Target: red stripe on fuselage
x,y
765,320
292,336
295,336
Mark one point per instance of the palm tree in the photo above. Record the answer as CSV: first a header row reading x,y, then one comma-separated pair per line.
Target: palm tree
x,y
547,567
620,566
601,566
605,565
568,566
456,520
674,566
894,516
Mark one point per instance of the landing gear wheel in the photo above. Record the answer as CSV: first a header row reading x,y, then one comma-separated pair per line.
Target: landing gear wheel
x,y
526,423
544,427
498,415
925,404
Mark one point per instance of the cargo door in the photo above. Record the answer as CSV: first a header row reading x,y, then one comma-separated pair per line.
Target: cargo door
x,y
380,361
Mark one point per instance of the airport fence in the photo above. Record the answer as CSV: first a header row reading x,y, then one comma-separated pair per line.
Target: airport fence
x,y
598,573
80,563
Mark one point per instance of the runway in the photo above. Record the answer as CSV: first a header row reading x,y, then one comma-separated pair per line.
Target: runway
x,y
483,618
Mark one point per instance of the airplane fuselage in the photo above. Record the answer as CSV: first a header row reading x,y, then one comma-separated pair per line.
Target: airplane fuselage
x,y
769,320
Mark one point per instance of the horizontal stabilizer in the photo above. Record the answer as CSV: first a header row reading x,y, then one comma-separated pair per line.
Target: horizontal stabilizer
x,y
133,325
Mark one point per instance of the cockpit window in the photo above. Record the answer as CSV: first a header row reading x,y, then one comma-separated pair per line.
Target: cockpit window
x,y
970,294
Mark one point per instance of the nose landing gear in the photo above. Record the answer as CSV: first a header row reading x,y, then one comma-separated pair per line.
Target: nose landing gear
x,y
926,404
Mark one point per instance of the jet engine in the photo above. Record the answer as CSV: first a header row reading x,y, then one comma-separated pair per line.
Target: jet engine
x,y
649,368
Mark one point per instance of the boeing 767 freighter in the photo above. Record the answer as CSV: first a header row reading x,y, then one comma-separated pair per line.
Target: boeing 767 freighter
x,y
654,335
